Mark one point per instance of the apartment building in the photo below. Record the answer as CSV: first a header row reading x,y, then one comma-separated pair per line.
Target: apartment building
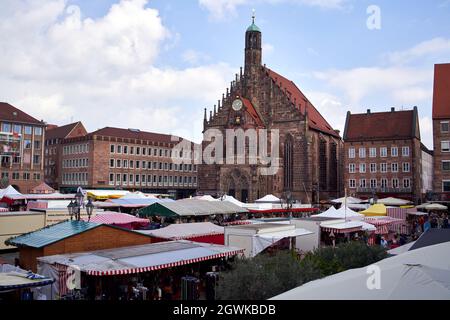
x,y
441,131
21,149
382,155
127,159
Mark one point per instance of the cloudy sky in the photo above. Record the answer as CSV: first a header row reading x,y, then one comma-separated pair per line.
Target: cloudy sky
x,y
155,65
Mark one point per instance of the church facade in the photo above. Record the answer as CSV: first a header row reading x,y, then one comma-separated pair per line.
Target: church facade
x,y
309,150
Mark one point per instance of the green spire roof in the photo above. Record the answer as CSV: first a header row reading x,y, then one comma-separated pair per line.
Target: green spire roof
x,y
253,27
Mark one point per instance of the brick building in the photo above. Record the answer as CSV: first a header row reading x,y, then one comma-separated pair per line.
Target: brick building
x,y
72,237
441,131
53,149
309,148
21,149
382,155
130,159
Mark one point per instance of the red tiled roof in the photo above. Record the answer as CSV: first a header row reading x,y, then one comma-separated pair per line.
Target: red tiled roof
x,y
316,120
381,125
133,134
441,96
60,132
252,111
10,113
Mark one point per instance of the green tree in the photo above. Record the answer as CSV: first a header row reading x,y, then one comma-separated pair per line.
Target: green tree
x,y
266,276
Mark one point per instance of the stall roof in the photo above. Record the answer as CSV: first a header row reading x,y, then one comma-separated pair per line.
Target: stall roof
x,y
142,258
348,200
116,218
393,201
185,231
51,234
137,202
20,280
375,210
432,237
191,207
270,198
43,188
106,194
50,196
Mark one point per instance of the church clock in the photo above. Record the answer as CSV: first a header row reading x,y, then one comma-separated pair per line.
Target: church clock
x,y
237,105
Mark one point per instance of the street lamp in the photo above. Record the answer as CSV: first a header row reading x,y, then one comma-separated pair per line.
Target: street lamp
x,y
74,207
89,209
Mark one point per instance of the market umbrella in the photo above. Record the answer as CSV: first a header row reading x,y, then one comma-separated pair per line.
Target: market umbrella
x,y
432,206
349,200
375,210
393,201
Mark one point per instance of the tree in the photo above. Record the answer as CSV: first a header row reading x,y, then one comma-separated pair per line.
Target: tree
x,y
266,276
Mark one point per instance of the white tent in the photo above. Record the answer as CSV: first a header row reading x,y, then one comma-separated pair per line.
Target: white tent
x,y
270,198
349,200
206,198
432,206
421,274
185,231
233,200
136,195
9,191
393,202
341,214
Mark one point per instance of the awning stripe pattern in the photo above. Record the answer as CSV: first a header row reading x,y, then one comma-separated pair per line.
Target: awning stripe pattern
x,y
163,266
342,231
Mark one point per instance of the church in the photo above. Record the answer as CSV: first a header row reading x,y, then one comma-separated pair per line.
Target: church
x,y
310,150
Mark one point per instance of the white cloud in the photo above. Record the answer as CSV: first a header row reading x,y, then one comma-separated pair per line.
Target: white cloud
x,y
58,66
195,57
220,9
268,49
436,49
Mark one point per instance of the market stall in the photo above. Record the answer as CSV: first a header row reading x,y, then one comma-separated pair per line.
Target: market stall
x,y
122,220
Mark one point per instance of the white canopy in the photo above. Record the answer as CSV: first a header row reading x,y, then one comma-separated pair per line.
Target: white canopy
x,y
432,206
401,249
270,198
136,195
349,200
421,274
264,240
393,202
185,230
9,191
342,213
206,198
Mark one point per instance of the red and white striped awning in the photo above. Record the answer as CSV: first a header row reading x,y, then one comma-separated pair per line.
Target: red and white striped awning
x,y
4,210
163,266
382,221
342,231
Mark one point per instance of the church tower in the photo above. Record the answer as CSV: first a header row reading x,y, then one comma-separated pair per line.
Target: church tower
x,y
253,55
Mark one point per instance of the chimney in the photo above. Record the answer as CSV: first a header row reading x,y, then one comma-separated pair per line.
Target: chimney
x,y
368,111
393,109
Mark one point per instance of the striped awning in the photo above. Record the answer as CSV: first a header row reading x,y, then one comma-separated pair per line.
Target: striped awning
x,y
341,231
162,266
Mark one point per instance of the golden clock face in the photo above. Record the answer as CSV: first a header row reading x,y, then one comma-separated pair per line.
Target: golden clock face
x,y
237,105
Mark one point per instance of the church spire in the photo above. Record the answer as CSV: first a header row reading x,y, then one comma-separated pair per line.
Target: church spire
x,y
253,52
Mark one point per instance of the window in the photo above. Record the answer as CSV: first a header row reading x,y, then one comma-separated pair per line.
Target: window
x,y
351,153
17,128
373,183
131,165
119,163
111,163
125,149
444,126
118,178
131,150
445,146
36,176
351,168
119,149
406,167
26,176
383,167
395,183
446,165
383,152
160,152
144,151
131,178
362,168
394,167
405,151
37,131
6,127
125,178
27,144
36,159
16,176
446,186
406,183
362,183
394,152
138,151
137,179
112,148
362,152
37,145
111,178
384,183
28,130
138,164
373,152
373,167
125,164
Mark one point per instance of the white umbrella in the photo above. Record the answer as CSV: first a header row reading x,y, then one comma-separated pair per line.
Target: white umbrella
x,y
270,198
393,201
432,206
421,274
349,200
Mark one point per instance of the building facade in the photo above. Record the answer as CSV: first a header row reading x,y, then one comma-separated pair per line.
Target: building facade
x,y
441,131
53,149
382,155
129,159
309,150
427,172
21,149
